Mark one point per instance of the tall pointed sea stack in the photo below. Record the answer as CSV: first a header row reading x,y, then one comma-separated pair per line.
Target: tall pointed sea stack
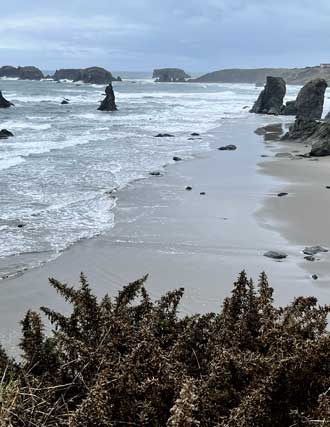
x,y
310,100
3,102
109,102
270,100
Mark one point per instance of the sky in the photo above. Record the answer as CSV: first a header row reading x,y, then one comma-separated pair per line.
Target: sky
x,y
140,35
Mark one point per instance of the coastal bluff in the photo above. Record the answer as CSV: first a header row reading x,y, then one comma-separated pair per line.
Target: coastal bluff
x,y
163,75
22,73
292,76
94,75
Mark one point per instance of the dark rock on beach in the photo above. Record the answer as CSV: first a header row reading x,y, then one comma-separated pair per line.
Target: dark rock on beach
x,y
301,130
313,250
310,100
282,194
4,134
3,102
170,75
155,173
275,254
194,134
164,135
270,100
230,147
65,102
109,102
177,159
315,277
188,188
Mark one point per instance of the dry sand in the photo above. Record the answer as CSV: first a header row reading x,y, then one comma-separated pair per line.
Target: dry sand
x,y
200,242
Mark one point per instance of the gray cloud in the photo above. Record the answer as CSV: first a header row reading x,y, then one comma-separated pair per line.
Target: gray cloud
x,y
143,34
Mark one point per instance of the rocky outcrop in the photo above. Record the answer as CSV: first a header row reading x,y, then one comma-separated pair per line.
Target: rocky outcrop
x,y
289,109
5,134
310,100
312,132
24,73
109,102
94,75
170,75
301,130
320,141
270,100
3,102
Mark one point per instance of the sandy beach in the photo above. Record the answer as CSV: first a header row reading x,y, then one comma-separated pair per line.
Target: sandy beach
x,y
200,242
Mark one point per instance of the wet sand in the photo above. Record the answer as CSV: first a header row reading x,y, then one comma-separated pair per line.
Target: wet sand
x,y
302,217
183,238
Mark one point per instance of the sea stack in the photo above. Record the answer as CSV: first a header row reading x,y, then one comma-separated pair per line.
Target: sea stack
x,y
310,100
270,100
3,102
109,102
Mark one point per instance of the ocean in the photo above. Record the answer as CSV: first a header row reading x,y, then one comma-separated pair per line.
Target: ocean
x,y
57,173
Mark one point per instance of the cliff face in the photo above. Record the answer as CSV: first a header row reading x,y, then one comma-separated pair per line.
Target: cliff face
x,y
95,75
297,76
170,75
24,73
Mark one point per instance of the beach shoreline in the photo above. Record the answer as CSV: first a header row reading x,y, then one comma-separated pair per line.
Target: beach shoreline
x,y
181,238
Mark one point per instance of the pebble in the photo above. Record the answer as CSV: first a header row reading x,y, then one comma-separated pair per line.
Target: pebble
x,y
315,277
188,188
230,147
177,159
313,250
282,194
275,254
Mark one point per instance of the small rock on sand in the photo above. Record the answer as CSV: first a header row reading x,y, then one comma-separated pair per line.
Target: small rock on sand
x,y
315,277
177,159
310,258
282,194
188,188
194,134
275,254
202,193
230,147
164,135
284,155
313,250
155,173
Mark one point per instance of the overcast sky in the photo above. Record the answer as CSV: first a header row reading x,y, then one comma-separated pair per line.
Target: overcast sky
x,y
201,35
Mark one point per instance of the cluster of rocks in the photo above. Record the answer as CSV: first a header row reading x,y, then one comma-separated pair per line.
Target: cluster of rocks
x,y
94,75
170,75
308,105
308,108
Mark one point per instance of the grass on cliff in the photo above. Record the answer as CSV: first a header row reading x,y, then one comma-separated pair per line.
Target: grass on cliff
x,y
129,361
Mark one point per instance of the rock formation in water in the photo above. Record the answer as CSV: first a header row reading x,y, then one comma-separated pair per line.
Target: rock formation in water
x,y
170,75
24,73
310,100
5,134
109,102
94,75
270,100
3,102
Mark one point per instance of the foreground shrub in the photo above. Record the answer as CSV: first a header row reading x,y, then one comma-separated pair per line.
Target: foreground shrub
x,y
129,361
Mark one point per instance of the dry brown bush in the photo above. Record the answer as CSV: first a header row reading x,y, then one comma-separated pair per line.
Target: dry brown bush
x,y
129,361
